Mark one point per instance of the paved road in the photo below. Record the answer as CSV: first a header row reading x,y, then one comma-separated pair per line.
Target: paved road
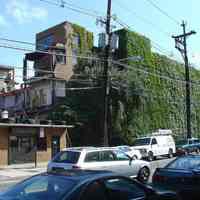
x,y
160,162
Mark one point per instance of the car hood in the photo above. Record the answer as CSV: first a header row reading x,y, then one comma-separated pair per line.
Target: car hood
x,y
140,147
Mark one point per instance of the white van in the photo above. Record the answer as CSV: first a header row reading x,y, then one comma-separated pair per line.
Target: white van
x,y
160,143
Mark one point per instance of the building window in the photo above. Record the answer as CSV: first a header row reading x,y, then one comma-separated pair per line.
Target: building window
x,y
42,143
60,57
43,97
74,56
76,41
45,42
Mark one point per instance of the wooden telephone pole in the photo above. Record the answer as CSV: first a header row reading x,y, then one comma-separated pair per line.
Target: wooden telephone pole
x,y
106,76
181,45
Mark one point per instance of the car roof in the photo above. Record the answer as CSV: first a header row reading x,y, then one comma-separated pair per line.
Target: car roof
x,y
79,175
88,149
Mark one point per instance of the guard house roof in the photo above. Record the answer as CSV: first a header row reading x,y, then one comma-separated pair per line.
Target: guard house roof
x,y
34,125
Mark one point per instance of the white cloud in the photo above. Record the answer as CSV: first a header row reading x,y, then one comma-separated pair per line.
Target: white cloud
x,y
24,12
3,21
195,60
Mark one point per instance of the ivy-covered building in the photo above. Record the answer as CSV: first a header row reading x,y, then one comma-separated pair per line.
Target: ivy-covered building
x,y
151,91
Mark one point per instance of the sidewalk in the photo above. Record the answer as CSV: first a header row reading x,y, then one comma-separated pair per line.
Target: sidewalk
x,y
18,173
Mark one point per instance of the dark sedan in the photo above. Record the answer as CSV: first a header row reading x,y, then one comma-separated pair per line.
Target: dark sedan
x,y
181,175
83,185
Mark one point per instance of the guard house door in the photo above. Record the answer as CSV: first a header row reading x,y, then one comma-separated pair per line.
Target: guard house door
x,y
22,142
55,145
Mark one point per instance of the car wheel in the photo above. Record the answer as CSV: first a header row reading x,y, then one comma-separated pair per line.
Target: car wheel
x,y
143,175
150,156
197,150
170,153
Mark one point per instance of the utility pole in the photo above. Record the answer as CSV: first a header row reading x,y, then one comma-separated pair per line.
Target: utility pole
x,y
106,76
181,45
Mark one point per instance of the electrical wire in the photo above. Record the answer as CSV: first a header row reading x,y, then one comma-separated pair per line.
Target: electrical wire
x,y
78,10
163,12
143,19
48,53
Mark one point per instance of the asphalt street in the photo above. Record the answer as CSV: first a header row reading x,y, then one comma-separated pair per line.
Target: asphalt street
x,y
160,162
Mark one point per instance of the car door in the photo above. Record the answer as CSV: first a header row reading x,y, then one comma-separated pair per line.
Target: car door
x,y
122,164
123,189
155,147
92,161
94,191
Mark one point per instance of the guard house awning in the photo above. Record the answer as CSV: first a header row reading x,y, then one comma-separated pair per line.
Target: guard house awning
x,y
36,55
35,125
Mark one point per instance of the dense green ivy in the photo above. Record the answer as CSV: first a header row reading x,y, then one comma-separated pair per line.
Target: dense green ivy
x,y
152,102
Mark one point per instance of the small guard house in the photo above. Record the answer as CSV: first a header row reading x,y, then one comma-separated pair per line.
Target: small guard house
x,y
31,143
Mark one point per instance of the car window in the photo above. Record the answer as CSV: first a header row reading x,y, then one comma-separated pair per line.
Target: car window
x,y
67,157
196,141
95,191
40,187
107,156
185,163
142,141
190,141
123,189
119,155
92,157
154,141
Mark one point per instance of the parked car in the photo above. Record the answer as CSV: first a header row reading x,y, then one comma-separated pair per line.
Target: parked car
x,y
83,185
101,159
130,151
187,146
181,175
160,143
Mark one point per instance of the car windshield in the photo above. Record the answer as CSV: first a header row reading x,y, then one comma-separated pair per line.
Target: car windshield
x,y
186,163
143,141
124,148
181,142
67,157
40,187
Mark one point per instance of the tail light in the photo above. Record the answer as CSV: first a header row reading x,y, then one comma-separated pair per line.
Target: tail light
x,y
158,178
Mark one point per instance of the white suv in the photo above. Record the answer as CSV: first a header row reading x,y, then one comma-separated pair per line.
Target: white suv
x,y
100,159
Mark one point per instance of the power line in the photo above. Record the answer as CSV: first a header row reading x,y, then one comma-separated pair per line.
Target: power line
x,y
143,19
48,53
75,9
163,12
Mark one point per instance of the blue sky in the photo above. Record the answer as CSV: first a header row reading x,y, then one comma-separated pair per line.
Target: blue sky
x,y
22,19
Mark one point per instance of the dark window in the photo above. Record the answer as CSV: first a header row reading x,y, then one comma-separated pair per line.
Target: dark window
x,y
142,141
154,141
67,157
60,57
92,157
120,155
123,189
40,187
42,144
190,141
94,191
187,163
107,156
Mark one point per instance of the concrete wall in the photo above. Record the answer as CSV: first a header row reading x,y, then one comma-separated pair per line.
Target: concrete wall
x,y
4,132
